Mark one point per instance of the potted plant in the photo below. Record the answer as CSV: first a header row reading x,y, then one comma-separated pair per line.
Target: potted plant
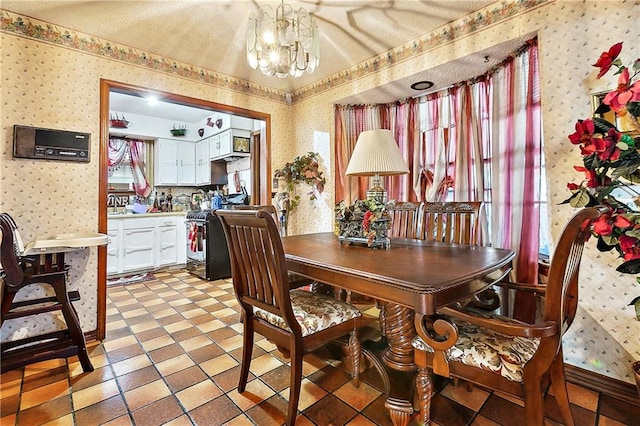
x,y
303,169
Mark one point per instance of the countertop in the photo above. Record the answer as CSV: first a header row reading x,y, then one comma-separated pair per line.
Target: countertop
x,y
141,215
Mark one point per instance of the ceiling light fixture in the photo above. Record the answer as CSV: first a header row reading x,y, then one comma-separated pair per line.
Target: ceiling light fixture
x,y
422,85
283,42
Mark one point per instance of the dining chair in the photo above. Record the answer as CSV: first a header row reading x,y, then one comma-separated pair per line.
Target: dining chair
x,y
19,272
450,222
295,280
296,321
404,219
502,353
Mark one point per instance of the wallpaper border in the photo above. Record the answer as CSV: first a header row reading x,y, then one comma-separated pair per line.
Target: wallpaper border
x,y
42,31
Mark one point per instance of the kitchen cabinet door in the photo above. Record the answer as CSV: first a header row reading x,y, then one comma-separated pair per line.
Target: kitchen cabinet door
x,y
114,248
167,235
138,241
166,162
203,163
214,146
187,163
225,144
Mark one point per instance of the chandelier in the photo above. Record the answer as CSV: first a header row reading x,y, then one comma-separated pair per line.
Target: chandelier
x,y
283,42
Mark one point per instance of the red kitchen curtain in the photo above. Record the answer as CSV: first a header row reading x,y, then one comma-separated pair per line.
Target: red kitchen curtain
x,y
134,150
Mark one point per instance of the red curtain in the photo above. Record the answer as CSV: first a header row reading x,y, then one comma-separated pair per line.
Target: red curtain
x,y
350,121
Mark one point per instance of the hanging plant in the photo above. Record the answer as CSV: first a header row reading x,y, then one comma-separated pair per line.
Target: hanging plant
x,y
304,169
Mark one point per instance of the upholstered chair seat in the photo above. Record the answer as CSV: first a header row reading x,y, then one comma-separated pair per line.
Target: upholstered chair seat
x,y
488,349
314,312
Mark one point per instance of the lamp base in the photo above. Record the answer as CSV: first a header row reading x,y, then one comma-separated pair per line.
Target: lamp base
x,y
377,192
379,195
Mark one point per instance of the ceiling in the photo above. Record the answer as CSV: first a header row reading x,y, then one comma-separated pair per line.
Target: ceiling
x,y
211,34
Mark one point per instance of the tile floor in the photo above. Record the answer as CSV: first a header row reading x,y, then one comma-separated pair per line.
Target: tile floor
x,y
172,356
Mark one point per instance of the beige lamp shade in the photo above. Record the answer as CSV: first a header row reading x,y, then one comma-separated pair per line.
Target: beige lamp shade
x,y
376,154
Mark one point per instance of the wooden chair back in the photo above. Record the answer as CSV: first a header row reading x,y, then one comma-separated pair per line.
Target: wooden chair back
x,y
561,297
258,265
404,219
13,272
270,208
450,222
266,207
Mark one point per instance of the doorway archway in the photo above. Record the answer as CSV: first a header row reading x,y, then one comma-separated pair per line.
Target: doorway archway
x,y
260,179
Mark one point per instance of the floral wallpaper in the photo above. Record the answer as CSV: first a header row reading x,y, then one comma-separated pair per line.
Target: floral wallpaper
x,y
51,79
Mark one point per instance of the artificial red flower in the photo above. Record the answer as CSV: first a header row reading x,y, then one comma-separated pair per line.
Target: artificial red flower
x,y
630,247
366,221
592,181
603,225
624,94
607,147
584,132
572,186
619,221
583,136
606,59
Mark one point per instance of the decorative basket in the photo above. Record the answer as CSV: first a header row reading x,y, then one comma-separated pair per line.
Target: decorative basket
x,y
350,231
119,123
179,132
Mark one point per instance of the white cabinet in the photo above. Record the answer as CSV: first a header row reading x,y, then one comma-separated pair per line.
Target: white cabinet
x,y
225,143
175,162
187,166
114,248
222,144
167,237
166,162
138,244
145,243
214,146
203,163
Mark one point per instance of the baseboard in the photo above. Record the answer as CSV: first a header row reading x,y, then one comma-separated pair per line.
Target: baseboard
x,y
609,386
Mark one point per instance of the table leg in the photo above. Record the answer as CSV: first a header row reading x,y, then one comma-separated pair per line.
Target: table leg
x,y
399,410
399,331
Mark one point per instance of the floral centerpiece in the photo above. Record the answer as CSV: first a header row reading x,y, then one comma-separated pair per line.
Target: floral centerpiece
x,y
365,221
303,169
611,164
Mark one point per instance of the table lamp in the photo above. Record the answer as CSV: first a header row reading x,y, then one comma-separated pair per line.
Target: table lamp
x,y
376,154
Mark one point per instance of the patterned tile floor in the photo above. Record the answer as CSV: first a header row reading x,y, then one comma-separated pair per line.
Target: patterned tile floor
x,y
172,356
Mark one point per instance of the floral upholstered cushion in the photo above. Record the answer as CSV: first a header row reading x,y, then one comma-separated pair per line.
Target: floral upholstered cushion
x,y
314,312
488,350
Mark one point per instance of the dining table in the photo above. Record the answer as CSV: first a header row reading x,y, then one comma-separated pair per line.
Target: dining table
x,y
411,279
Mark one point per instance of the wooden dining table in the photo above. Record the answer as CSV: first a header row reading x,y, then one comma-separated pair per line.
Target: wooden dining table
x,y
411,277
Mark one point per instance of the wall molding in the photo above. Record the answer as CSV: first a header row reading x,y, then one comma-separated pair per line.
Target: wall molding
x,y
609,386
42,31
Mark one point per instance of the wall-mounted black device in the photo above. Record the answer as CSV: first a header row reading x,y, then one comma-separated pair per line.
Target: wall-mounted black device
x,y
50,144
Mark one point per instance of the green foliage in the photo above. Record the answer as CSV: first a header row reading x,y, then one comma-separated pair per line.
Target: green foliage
x,y
303,169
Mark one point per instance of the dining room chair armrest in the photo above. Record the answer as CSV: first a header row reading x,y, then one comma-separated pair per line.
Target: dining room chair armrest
x,y
534,288
511,327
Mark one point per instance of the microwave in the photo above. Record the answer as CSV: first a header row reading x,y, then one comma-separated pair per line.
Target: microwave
x,y
50,144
